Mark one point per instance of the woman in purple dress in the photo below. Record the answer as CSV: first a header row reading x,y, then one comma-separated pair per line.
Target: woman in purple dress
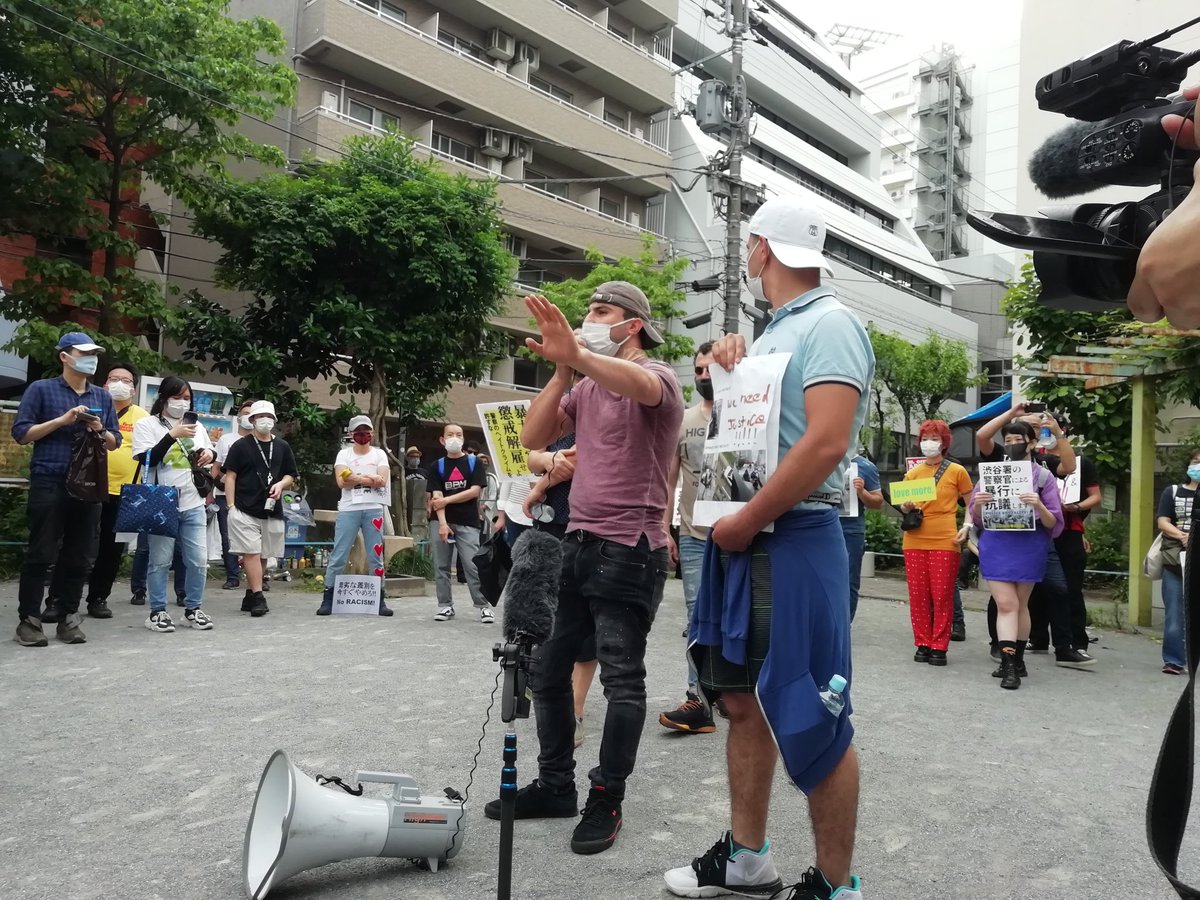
x,y
1014,561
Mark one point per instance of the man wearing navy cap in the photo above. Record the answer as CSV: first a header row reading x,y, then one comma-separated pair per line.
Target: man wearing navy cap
x,y
63,532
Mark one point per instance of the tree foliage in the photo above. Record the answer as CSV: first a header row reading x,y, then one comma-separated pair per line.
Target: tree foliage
x,y
378,272
96,98
1100,418
655,277
918,379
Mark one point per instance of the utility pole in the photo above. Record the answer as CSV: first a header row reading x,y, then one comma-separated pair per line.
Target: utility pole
x,y
737,25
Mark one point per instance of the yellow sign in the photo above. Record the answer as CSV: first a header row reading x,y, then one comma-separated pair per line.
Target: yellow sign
x,y
919,490
502,424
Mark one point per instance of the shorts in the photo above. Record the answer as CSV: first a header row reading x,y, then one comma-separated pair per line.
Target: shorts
x,y
798,638
255,537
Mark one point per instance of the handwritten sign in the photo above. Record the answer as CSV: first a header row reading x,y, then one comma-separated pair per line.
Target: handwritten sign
x,y
742,446
1006,481
911,462
849,508
356,595
1068,488
919,490
502,424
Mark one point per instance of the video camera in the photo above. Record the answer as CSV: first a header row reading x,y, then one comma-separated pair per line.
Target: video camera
x,y
1086,255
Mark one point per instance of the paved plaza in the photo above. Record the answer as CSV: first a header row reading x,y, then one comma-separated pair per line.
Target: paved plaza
x,y
131,762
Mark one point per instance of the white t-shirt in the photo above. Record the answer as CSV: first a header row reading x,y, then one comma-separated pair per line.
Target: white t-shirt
x,y
512,500
360,496
175,470
224,442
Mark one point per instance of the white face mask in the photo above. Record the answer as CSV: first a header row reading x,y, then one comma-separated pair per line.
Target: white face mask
x,y
931,448
84,365
176,408
120,391
245,423
454,445
598,337
264,425
754,282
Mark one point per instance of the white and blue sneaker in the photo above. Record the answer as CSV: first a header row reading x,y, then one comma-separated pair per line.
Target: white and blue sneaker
x,y
160,621
814,886
723,870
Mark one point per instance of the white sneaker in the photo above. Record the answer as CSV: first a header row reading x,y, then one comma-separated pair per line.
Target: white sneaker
x,y
160,621
723,870
445,614
486,616
198,619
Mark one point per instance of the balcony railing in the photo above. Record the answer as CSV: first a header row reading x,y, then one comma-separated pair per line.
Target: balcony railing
x,y
496,71
657,54
458,161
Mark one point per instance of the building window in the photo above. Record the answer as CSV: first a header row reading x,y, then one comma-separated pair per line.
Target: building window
x,y
624,35
460,45
868,262
550,187
610,207
448,146
613,119
552,89
385,9
371,117
836,83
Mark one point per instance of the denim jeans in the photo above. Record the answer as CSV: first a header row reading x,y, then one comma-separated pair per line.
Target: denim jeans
x,y
351,523
691,566
1174,641
856,546
512,531
64,533
230,559
193,546
611,591
141,566
466,539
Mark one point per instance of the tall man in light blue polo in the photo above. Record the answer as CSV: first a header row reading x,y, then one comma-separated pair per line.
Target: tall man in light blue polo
x,y
780,601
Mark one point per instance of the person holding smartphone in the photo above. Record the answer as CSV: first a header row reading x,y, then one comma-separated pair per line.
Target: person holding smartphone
x,y
63,532
171,446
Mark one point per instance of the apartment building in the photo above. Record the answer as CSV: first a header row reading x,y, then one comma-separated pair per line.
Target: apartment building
x,y
948,136
525,91
811,136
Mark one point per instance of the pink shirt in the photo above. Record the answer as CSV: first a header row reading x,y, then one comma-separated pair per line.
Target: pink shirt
x,y
623,455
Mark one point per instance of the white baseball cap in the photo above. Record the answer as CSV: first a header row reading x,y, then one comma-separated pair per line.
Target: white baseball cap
x,y
262,408
359,422
795,231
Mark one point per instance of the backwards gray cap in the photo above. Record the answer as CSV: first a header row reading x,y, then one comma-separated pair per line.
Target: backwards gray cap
x,y
630,298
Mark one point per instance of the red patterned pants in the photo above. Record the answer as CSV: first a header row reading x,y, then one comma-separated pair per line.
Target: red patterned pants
x,y
931,575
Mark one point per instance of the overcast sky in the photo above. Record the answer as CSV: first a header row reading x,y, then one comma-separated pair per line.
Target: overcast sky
x,y
970,26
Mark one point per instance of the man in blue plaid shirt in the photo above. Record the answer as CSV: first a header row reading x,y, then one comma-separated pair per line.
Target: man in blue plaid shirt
x,y
63,532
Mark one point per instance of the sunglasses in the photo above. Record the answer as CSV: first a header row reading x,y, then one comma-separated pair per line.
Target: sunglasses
x,y
701,370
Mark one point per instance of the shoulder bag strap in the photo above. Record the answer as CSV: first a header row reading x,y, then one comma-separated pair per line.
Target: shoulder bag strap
x,y
937,476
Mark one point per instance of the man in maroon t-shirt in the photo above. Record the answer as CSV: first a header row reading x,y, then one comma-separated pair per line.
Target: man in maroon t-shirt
x,y
625,406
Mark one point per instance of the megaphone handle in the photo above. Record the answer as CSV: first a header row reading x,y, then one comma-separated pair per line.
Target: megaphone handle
x,y
407,788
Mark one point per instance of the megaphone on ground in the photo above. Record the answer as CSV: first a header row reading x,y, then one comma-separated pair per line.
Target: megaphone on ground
x,y
298,824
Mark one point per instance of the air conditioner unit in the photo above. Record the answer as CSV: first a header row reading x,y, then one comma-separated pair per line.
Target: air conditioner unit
x,y
517,246
329,100
500,44
635,219
494,143
639,133
527,53
522,150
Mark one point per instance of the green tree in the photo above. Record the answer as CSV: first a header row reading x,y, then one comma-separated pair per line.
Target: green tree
x,y
655,277
377,272
919,378
110,94
1102,417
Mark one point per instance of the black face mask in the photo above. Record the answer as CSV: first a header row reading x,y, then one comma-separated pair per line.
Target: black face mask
x,y
704,388
1016,451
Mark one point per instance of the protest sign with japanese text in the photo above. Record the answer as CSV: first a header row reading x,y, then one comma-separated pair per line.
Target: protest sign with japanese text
x,y
1068,488
502,424
742,447
1006,482
850,494
356,595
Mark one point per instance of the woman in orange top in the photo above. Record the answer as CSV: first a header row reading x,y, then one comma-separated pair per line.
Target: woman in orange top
x,y
931,551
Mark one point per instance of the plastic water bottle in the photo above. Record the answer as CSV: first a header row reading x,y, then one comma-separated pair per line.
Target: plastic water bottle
x,y
1046,438
832,696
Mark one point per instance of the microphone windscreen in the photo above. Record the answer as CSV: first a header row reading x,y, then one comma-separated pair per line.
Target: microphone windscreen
x,y
1054,166
531,594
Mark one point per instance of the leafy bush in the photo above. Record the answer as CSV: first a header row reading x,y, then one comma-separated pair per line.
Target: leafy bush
x,y
1109,537
14,527
883,532
410,562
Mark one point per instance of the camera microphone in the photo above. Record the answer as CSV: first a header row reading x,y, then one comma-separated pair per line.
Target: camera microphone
x,y
1054,166
531,594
